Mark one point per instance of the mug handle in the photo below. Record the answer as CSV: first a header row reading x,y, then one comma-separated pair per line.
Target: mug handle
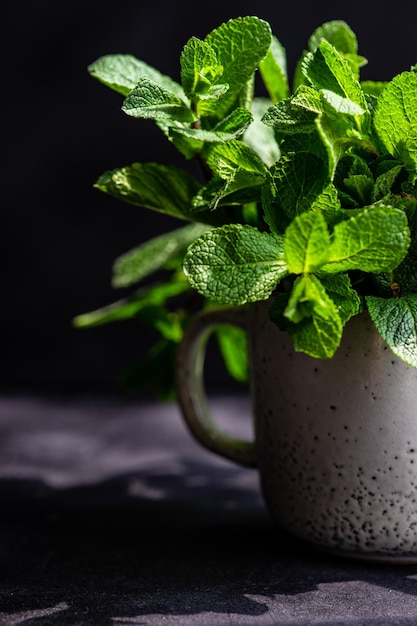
x,y
192,397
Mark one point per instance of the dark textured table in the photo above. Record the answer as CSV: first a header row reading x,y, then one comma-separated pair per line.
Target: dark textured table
x,y
111,514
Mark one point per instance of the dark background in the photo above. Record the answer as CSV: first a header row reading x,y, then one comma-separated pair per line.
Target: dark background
x,y
62,129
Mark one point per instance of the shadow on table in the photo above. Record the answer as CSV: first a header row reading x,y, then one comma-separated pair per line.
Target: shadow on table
x,y
162,544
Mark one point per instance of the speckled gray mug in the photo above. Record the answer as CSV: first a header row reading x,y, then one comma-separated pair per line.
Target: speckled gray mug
x,y
335,440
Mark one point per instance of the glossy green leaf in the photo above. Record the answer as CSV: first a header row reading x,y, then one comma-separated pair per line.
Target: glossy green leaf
x,y
163,188
152,255
376,239
151,101
121,72
396,322
200,70
273,69
307,243
395,120
235,264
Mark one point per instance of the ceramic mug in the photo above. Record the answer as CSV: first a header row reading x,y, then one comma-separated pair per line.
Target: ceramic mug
x,y
335,440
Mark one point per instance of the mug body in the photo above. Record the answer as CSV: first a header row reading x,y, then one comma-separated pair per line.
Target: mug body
x,y
337,440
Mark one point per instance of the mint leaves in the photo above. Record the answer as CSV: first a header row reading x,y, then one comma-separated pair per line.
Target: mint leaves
x,y
306,196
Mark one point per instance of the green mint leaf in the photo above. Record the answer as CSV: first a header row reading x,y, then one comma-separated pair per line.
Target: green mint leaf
x,y
224,159
394,120
376,239
346,299
314,322
307,298
240,45
340,104
360,187
342,37
307,242
188,145
405,275
287,118
133,306
338,132
336,32
121,72
354,177
327,69
239,186
328,203
233,345
232,127
151,101
238,167
396,321
273,70
235,264
383,184
294,183
152,255
308,98
259,137
200,70
164,188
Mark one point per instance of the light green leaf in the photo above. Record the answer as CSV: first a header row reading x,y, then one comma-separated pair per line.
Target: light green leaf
x,y
405,275
327,69
164,188
273,69
338,132
307,298
340,104
336,32
328,203
315,325
233,345
376,239
152,255
238,167
287,118
200,70
308,98
396,322
121,72
240,44
235,264
151,101
232,127
307,242
224,159
395,120
339,289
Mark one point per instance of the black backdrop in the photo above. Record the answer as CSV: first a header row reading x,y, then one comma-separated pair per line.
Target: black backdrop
x,y
62,129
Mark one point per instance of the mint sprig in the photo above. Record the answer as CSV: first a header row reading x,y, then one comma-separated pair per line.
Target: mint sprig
x,y
305,196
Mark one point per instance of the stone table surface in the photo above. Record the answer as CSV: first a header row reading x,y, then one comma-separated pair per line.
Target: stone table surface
x,y
111,514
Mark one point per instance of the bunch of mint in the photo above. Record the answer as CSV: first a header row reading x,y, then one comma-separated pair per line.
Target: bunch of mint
x,y
307,194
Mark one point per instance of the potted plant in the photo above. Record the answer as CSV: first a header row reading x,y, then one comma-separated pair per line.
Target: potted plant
x,y
305,210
